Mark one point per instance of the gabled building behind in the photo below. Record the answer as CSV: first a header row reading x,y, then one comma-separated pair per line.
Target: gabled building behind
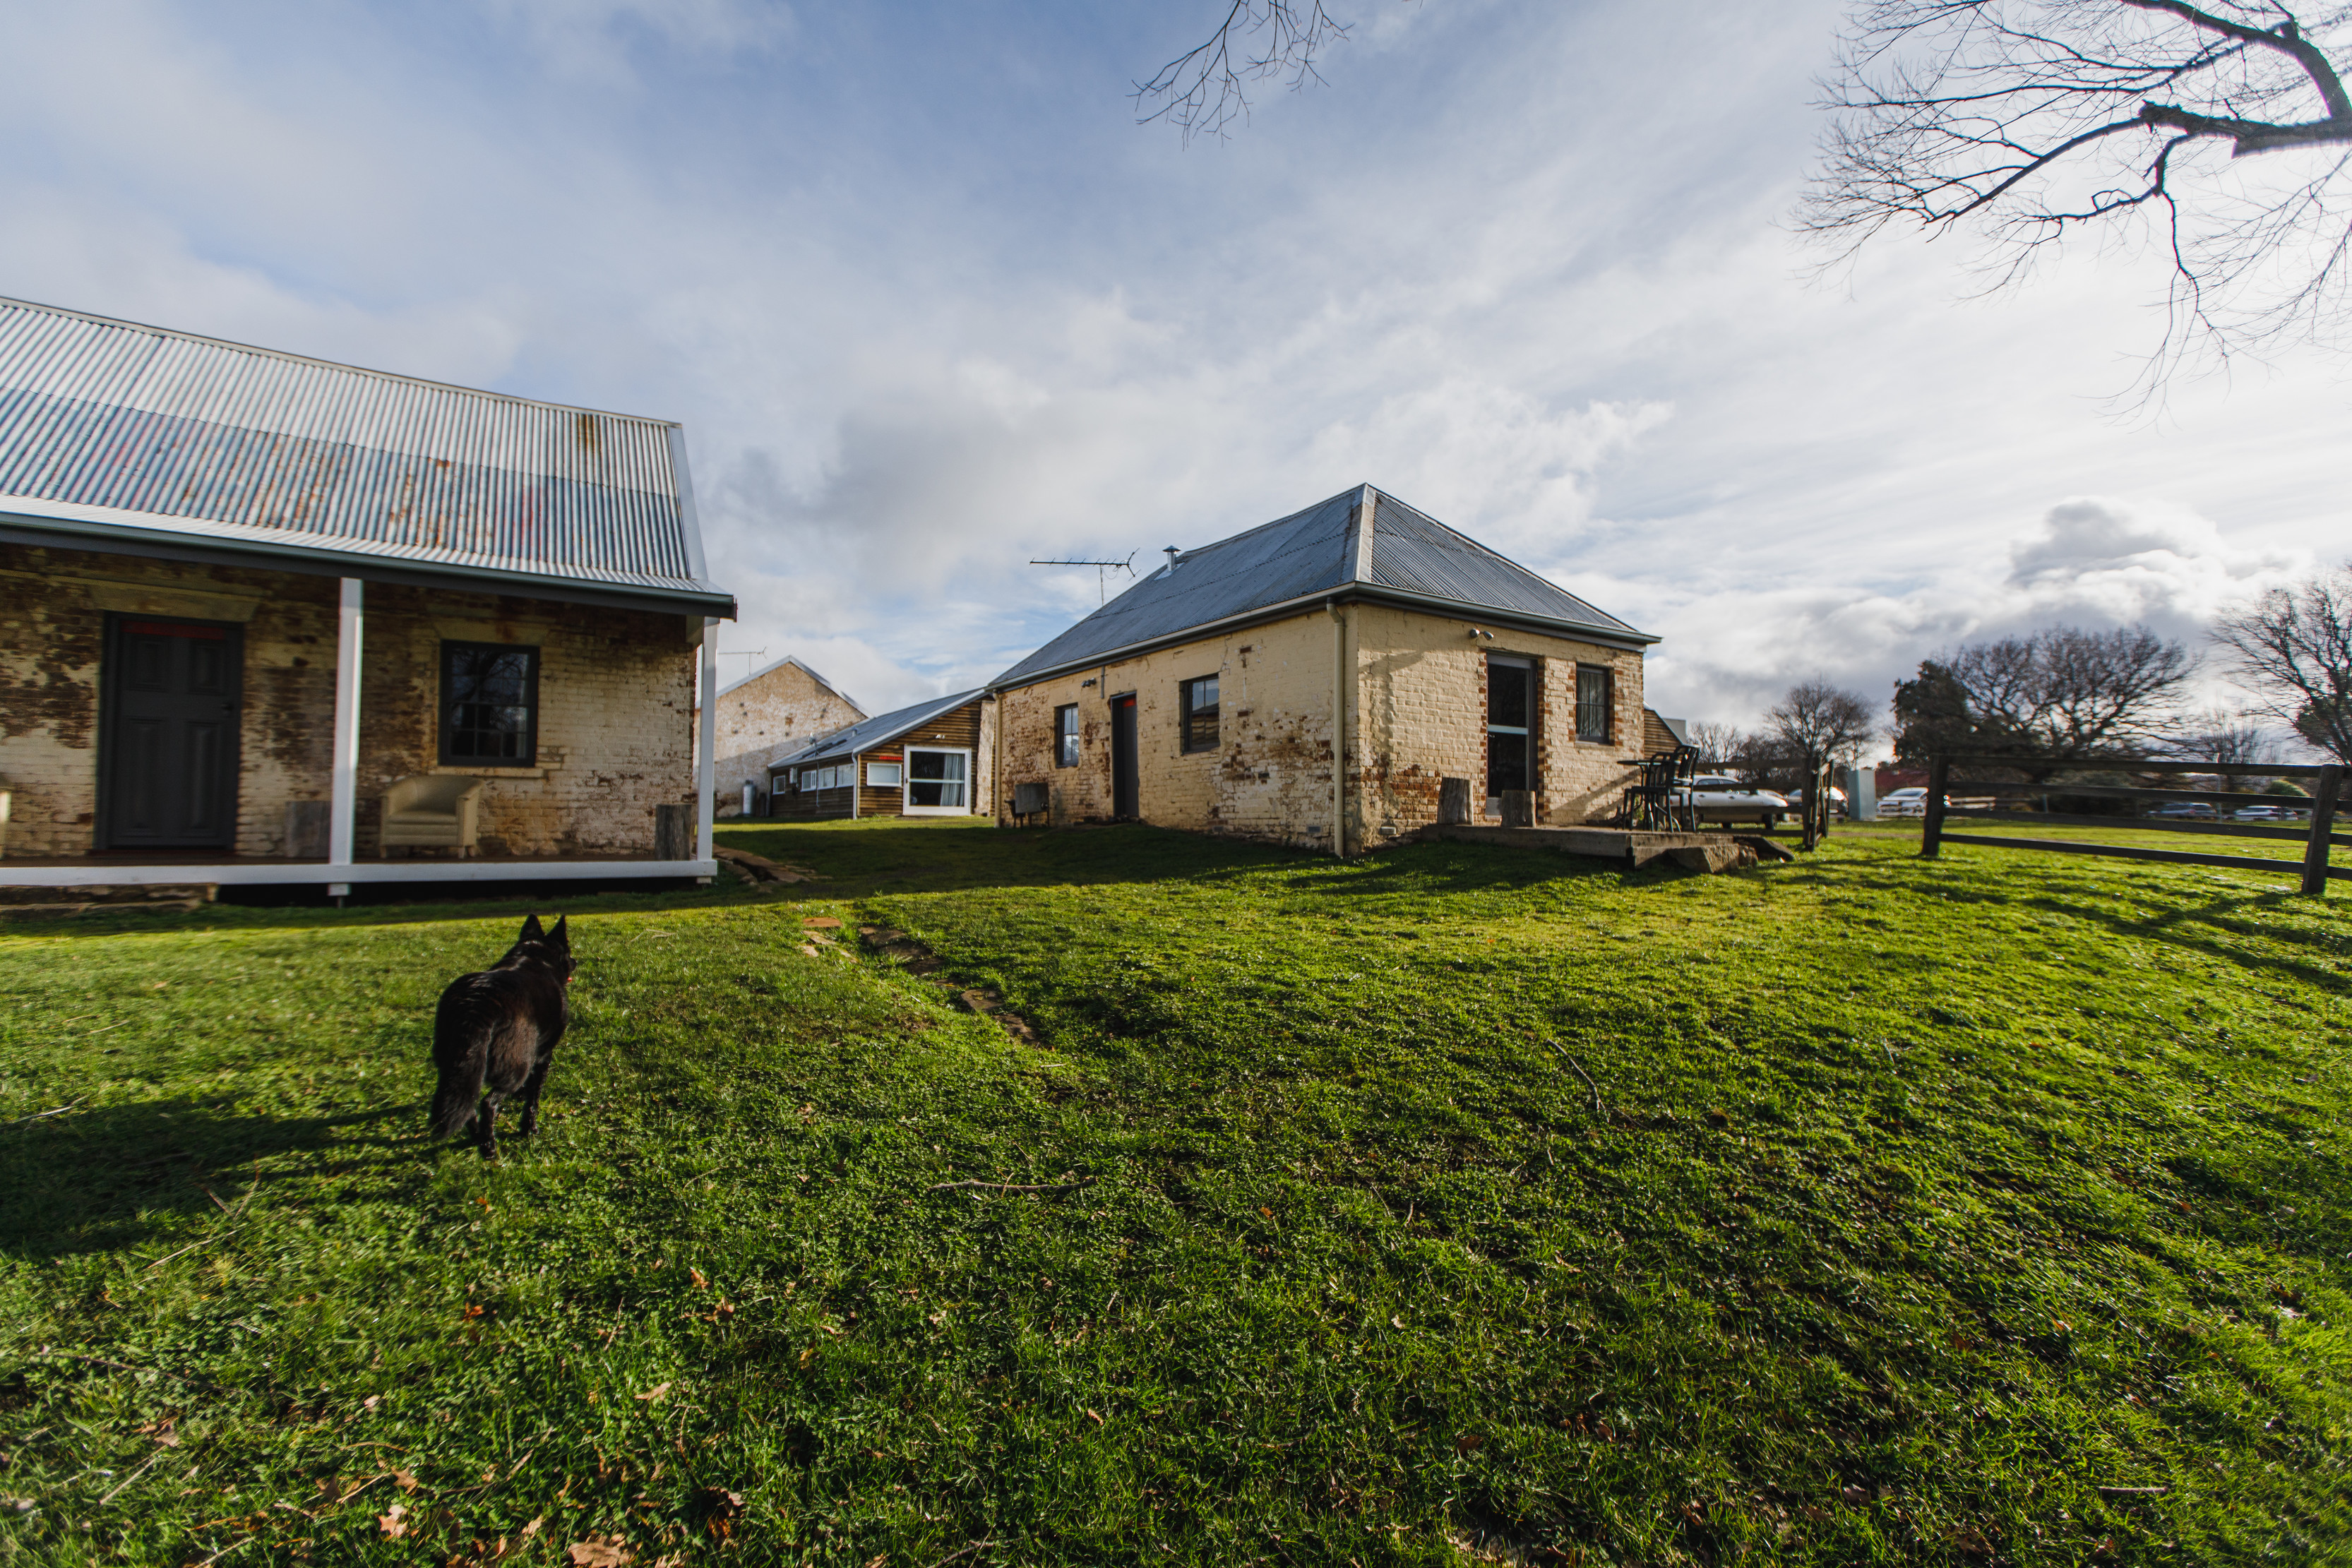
x,y
1312,681
767,715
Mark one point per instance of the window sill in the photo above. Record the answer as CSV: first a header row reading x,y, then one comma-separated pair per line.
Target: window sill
x,y
452,768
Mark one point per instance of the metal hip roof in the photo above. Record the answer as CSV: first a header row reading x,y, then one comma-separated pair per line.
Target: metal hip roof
x,y
1360,542
127,426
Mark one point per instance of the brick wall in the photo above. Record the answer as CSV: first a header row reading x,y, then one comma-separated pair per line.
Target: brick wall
x,y
779,711
615,693
1422,716
1416,714
616,716
53,608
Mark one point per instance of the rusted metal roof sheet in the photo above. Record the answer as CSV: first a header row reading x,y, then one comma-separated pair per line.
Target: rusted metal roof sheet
x,y
1322,551
126,428
873,731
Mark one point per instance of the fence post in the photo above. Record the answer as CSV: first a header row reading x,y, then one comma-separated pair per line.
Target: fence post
x,y
2322,823
1810,834
1931,829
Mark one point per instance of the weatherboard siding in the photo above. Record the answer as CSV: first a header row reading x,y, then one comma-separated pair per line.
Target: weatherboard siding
x,y
968,728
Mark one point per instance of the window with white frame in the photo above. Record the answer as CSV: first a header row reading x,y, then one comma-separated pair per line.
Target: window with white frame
x,y
938,780
882,774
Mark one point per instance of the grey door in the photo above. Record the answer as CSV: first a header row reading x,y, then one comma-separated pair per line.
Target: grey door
x,y
168,746
1122,759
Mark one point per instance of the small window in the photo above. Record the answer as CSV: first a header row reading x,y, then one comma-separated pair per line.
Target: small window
x,y
1200,713
1596,702
1066,736
882,774
489,705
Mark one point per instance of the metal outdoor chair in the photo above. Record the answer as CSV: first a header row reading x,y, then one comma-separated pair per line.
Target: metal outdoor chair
x,y
1659,801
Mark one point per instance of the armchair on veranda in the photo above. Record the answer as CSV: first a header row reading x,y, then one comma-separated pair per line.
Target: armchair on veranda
x,y
432,811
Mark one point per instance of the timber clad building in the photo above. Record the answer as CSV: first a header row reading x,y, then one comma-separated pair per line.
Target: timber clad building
x,y
927,761
267,619
1311,682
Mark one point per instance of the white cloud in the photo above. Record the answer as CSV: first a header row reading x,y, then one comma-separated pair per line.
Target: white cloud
x,y
931,305
591,40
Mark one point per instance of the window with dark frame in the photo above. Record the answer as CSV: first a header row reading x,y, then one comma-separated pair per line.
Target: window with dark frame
x,y
1510,725
1066,736
489,705
1201,713
1596,704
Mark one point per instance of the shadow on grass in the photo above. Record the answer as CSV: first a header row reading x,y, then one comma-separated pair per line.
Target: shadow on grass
x,y
96,1180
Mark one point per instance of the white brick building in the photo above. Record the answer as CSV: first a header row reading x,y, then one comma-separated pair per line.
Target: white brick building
x,y
1311,682
246,595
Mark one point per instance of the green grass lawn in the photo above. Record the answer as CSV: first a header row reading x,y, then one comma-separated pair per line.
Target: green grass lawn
x,y
1987,1210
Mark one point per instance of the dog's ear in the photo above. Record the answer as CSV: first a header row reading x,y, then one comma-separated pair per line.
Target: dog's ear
x,y
561,937
530,931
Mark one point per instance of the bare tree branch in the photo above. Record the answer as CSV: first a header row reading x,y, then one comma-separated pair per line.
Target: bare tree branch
x,y
1204,89
2023,121
2294,646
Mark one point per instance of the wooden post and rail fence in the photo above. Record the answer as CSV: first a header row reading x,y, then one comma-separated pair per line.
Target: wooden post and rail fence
x,y
1997,801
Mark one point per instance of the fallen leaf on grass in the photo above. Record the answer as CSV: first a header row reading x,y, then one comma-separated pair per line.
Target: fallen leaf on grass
x,y
407,1481
1396,1323
652,1394
532,1528
700,1283
1095,1419
396,1523
599,1552
1469,1443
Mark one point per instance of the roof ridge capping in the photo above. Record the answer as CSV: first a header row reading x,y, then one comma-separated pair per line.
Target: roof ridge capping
x,y
10,302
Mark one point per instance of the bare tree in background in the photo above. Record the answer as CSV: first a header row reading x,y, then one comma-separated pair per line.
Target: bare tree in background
x,y
2294,647
2064,694
2236,744
1817,719
1204,89
2027,123
1716,744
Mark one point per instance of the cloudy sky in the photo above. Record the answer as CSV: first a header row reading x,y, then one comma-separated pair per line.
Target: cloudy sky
x,y
930,304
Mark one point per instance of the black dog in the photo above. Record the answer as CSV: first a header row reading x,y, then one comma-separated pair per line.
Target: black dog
x,y
500,1028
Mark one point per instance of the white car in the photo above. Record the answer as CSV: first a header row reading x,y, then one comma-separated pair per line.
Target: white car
x,y
1718,797
1910,802
2269,814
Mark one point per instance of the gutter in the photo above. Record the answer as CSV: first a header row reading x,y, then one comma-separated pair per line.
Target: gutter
x,y
205,548
1451,609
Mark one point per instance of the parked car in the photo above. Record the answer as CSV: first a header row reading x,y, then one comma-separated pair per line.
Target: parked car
x,y
2269,814
1909,802
1837,801
2192,811
1719,798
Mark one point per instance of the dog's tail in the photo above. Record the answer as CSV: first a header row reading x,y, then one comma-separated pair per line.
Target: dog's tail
x,y
459,1094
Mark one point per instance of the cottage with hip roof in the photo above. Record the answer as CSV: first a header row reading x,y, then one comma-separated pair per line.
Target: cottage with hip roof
x,y
266,619
1312,681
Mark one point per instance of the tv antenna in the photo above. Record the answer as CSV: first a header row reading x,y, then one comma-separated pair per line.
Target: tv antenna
x,y
1102,571
743,653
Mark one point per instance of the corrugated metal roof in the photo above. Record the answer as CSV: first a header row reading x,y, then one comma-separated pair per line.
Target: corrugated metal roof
x,y
129,426
875,730
1320,550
